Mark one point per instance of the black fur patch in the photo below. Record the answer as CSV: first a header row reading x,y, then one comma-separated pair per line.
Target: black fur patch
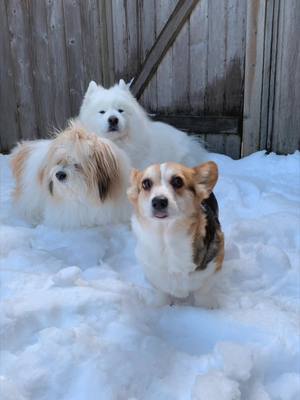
x,y
210,244
51,187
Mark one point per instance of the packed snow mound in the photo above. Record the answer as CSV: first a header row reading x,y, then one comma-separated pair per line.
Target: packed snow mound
x,y
80,322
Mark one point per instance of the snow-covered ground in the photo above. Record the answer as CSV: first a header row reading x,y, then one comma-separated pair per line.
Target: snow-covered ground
x,y
79,322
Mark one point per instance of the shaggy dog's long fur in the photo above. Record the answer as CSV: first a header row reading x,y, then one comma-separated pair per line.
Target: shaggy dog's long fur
x,y
75,179
115,114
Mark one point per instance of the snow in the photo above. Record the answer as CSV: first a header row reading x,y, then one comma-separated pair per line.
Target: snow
x,y
80,322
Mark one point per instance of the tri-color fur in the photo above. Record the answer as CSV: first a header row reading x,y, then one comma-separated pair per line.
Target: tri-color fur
x,y
182,246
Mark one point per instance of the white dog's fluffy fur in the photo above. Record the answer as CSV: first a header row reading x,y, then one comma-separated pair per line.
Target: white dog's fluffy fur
x,y
73,180
115,114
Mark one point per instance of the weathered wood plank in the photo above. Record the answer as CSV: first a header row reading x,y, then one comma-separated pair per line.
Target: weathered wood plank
x,y
147,33
269,71
233,146
41,67
163,42
181,63
91,45
201,124
253,75
235,35
120,37
107,43
9,129
132,26
286,126
58,63
73,39
20,44
164,72
198,57
216,69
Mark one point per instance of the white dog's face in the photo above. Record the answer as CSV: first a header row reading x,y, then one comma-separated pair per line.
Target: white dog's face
x,y
170,190
80,166
107,112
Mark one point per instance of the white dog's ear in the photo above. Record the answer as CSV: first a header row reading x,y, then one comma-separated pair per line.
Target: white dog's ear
x,y
91,88
125,86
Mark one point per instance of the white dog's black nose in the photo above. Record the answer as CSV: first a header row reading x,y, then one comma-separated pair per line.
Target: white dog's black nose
x,y
61,175
160,203
113,121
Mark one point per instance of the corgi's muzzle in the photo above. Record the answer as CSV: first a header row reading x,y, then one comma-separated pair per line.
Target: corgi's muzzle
x,y
160,206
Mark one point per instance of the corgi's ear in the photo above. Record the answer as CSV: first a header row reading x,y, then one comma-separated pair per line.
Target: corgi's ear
x,y
123,85
133,190
206,176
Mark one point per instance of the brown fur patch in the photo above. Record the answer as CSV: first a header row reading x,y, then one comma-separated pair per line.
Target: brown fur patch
x,y
105,170
220,255
18,161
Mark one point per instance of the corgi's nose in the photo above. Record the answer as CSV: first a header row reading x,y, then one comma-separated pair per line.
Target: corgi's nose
x,y
160,203
113,121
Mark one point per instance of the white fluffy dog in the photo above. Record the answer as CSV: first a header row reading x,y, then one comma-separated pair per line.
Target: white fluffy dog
x,y
115,114
76,179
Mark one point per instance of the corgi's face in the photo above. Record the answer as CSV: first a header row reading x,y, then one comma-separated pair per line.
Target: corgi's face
x,y
171,190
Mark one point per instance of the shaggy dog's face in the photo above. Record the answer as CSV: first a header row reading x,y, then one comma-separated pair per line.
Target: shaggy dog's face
x,y
171,190
79,166
107,112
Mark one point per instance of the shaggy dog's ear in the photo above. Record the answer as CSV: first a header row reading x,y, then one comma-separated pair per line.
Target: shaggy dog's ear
x,y
133,191
107,174
206,176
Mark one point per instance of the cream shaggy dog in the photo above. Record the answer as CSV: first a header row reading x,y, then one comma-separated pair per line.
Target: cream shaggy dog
x,y
115,114
73,180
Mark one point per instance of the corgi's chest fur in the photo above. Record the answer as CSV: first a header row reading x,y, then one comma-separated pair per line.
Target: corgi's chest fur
x,y
166,252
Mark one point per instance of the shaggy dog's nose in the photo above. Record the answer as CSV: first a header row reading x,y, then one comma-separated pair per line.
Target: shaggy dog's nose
x,y
113,121
61,175
160,203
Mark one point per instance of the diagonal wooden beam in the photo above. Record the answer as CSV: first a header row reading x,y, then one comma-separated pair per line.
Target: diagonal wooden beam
x,y
162,44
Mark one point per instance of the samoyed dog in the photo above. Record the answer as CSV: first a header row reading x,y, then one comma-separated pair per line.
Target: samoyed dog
x,y
115,114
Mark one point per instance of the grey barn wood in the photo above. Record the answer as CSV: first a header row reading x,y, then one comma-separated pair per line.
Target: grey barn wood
x,y
225,70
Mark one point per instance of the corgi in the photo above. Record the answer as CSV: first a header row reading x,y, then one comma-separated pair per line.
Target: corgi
x,y
180,243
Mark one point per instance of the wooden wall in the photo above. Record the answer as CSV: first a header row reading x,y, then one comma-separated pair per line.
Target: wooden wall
x,y
51,49
272,77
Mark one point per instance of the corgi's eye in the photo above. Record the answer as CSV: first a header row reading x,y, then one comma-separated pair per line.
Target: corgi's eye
x,y
176,182
120,110
102,112
147,184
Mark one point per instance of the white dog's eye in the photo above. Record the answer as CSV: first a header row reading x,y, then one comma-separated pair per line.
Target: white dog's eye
x,y
77,166
120,110
102,112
